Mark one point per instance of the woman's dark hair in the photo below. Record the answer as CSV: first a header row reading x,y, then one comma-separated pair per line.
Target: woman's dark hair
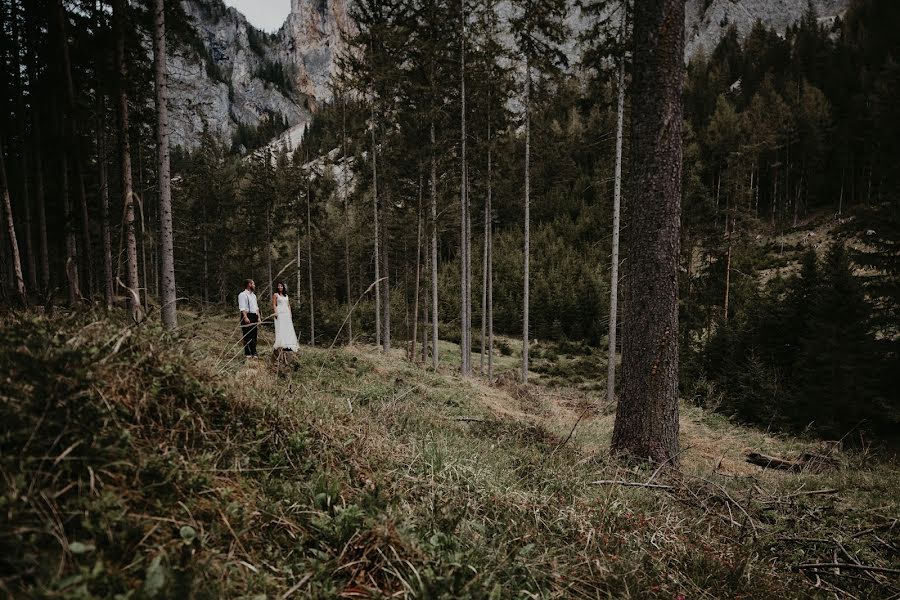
x,y
283,287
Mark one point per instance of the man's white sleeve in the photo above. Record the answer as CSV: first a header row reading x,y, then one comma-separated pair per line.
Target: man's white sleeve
x,y
243,302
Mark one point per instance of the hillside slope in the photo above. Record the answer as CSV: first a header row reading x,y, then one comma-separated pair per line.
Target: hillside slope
x,y
142,468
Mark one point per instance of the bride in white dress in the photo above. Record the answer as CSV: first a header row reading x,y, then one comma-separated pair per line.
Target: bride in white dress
x,y
285,337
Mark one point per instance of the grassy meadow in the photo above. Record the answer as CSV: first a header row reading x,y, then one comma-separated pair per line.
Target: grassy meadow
x,y
139,465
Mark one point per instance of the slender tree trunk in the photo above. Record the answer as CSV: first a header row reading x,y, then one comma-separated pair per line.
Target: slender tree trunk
x,y
386,273
465,345
204,232
647,417
415,320
347,224
132,283
83,256
309,266
108,289
614,266
299,262
39,199
19,43
527,249
167,254
139,198
727,270
489,226
18,279
841,197
484,280
269,245
425,321
375,225
434,255
71,266
29,222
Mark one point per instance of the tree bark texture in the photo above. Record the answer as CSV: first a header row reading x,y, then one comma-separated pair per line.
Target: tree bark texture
x,y
18,279
167,251
131,262
647,417
614,266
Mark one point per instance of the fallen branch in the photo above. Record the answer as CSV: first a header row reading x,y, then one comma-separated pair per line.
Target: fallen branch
x,y
806,461
633,484
836,565
468,419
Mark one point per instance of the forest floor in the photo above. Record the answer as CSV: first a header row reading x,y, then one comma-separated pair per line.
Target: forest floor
x,y
140,465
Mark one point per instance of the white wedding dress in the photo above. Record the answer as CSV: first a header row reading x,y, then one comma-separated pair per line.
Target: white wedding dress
x,y
285,337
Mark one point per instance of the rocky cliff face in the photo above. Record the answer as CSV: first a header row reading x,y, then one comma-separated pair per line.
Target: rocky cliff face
x,y
238,77
243,76
707,20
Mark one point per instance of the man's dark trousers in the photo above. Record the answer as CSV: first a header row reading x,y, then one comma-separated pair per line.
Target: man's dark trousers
x,y
250,331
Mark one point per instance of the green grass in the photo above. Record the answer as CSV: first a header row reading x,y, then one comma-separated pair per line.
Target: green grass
x,y
136,464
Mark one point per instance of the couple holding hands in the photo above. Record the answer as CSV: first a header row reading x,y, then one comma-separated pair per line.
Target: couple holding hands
x,y
285,337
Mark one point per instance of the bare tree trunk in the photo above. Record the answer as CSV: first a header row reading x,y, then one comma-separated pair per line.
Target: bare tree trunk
x,y
18,279
841,197
415,320
727,270
299,262
375,224
167,254
132,283
527,249
108,290
347,224
425,322
269,244
71,266
614,266
434,255
19,44
465,346
489,225
484,281
386,273
39,199
71,131
647,417
309,266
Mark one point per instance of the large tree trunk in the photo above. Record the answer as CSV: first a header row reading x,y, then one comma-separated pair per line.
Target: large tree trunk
x,y
434,255
647,417
614,266
18,279
527,249
167,258
131,262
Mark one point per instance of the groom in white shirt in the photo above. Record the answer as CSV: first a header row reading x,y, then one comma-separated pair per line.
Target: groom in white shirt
x,y
249,317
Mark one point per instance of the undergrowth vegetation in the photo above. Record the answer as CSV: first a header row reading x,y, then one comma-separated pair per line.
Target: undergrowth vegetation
x,y
139,465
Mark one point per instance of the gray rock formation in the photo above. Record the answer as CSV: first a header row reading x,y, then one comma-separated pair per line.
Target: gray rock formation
x,y
224,86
